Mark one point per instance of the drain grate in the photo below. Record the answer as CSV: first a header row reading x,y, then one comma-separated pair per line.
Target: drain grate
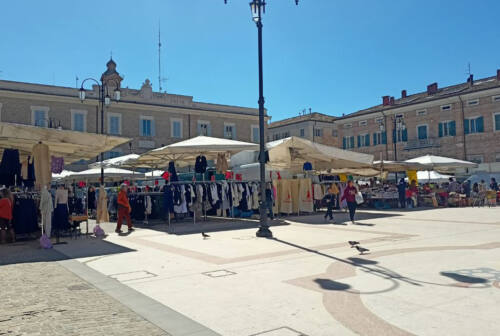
x,y
283,331
218,273
130,276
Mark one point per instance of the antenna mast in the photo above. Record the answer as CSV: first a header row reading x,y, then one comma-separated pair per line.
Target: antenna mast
x,y
159,57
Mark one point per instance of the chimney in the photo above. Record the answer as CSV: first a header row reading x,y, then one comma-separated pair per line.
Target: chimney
x,y
498,75
470,80
403,94
385,100
391,101
432,88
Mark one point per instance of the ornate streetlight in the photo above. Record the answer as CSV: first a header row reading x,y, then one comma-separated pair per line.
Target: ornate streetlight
x,y
258,7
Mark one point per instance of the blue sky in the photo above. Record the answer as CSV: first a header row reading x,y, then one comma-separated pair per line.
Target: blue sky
x,y
333,56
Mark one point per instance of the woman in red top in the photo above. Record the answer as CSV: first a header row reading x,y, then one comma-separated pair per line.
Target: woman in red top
x,y
350,196
124,209
6,216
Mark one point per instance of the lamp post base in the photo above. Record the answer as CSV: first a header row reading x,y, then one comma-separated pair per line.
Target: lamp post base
x,y
264,232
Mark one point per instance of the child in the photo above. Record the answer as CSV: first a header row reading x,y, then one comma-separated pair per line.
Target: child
x,y
329,200
6,216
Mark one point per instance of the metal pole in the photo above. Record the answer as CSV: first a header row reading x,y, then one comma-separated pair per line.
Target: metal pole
x,y
102,130
395,145
264,228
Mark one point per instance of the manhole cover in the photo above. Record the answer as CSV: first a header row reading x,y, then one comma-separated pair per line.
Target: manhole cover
x,y
79,287
136,275
218,274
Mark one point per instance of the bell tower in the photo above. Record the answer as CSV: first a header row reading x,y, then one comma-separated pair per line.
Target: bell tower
x,y
111,77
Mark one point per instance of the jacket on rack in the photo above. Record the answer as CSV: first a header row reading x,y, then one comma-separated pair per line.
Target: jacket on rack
x,y
200,165
172,171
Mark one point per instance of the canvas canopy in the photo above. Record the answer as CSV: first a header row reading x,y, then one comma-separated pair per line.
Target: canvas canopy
x,y
292,152
365,172
72,146
441,163
116,162
400,166
94,174
62,174
431,176
185,152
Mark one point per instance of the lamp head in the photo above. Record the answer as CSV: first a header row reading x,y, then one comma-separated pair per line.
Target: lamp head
x,y
81,94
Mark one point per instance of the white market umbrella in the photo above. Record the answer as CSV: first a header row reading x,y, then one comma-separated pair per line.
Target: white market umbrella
x,y
116,162
109,173
432,176
441,163
62,174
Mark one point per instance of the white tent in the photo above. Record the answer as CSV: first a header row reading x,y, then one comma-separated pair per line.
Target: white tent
x,y
116,162
251,171
62,174
94,174
185,152
431,176
441,163
293,152
400,166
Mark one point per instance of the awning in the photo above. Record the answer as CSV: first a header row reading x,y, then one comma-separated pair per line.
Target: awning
x,y
62,174
185,152
110,174
72,146
441,163
400,166
116,162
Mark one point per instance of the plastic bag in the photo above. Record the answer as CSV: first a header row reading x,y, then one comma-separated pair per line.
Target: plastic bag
x,y
45,242
359,198
98,231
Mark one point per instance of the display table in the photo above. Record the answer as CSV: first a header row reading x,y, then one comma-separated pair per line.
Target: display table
x,y
77,219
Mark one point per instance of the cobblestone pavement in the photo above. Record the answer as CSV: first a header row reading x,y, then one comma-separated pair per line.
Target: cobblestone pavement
x,y
44,298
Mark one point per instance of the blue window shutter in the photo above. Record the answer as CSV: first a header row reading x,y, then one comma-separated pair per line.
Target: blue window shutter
x,y
367,140
384,137
405,135
198,131
480,125
375,139
394,138
344,146
440,130
497,122
359,141
141,127
466,126
351,141
152,128
453,128
209,130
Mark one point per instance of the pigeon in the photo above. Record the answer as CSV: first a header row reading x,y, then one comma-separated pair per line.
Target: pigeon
x,y
205,235
362,250
353,243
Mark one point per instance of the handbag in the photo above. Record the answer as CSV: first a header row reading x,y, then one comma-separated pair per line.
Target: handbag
x,y
359,197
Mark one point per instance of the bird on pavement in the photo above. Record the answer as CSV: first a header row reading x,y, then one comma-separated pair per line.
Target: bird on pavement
x,y
353,243
362,250
204,235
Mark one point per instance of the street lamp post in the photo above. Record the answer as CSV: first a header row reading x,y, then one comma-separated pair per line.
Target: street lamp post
x,y
398,126
258,7
104,100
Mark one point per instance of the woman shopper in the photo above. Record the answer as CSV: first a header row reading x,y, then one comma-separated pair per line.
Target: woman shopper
x,y
6,216
124,209
350,196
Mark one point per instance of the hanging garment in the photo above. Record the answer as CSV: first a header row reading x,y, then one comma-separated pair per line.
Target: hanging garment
x,y
24,169
10,168
294,184
306,203
172,171
57,164
225,195
46,209
182,207
286,205
102,206
200,166
25,216
307,166
214,194
276,195
255,196
318,192
168,199
61,215
91,200
43,175
222,165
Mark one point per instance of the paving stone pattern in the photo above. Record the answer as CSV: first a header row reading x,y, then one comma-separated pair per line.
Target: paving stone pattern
x,y
46,299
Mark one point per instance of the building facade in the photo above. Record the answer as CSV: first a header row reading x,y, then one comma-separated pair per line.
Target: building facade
x,y
460,121
314,126
151,119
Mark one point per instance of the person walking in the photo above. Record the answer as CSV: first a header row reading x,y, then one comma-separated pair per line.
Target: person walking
x,y
350,196
402,193
6,216
329,200
124,210
494,184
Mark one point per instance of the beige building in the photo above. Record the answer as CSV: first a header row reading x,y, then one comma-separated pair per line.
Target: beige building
x,y
151,119
314,126
460,121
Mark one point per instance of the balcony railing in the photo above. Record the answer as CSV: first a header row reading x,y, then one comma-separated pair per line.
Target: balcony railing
x,y
421,143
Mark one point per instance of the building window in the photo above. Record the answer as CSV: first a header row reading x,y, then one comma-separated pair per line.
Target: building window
x,y
497,157
474,125
363,140
79,120
276,136
400,135
495,99
496,119
445,107
335,133
285,134
255,133
422,132
302,132
379,138
318,132
473,102
176,128
146,126
348,142
347,125
476,158
114,123
229,131
421,113
447,128
204,128
379,121
40,116
363,123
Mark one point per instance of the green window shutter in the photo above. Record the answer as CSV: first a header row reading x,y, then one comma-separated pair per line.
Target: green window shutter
x,y
405,135
209,130
367,140
452,128
384,137
497,122
359,141
394,138
344,145
351,141
440,132
466,126
375,139
480,125
152,128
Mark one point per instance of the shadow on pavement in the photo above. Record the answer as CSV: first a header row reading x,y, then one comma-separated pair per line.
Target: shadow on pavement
x,y
464,278
328,284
